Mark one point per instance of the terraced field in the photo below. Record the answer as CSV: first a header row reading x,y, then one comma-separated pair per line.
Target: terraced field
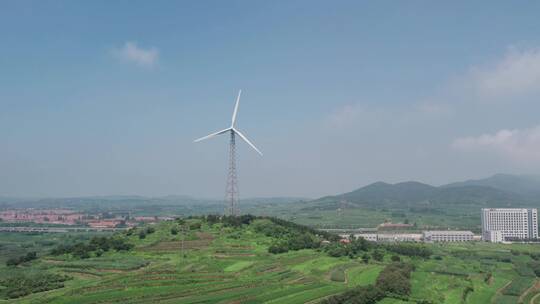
x,y
227,265
215,269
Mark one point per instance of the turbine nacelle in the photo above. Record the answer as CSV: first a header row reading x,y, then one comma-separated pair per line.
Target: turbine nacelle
x,y
232,129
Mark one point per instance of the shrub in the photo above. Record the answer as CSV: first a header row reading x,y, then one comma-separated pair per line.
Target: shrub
x,y
22,285
22,259
535,266
518,286
360,295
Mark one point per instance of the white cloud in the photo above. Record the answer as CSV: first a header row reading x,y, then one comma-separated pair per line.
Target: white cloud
x,y
130,52
519,145
345,116
360,115
517,73
434,109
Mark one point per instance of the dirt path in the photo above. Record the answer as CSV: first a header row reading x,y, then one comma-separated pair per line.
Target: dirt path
x,y
499,292
533,288
533,300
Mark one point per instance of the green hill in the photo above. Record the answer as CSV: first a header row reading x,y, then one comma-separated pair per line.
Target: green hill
x,y
413,194
525,185
455,205
229,262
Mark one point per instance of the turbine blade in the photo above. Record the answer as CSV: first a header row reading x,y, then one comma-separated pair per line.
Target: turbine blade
x,y
233,121
212,135
246,140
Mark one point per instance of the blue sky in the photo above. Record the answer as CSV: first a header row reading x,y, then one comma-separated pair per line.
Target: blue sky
x,y
104,97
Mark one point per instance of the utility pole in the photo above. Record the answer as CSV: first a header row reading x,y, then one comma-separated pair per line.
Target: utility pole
x,y
183,233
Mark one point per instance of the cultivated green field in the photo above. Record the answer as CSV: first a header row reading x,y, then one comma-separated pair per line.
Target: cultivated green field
x,y
232,265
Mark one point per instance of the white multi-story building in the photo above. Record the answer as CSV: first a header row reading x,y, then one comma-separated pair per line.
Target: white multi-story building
x,y
503,224
447,236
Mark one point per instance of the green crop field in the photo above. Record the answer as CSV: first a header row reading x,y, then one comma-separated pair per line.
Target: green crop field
x,y
232,265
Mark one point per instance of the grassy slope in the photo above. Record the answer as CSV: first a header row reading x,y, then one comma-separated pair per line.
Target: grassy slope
x,y
221,269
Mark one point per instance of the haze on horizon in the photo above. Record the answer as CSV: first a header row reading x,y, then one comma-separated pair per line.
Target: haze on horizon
x,y
101,97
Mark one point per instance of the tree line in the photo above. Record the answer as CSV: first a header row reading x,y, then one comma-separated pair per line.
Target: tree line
x,y
22,259
98,245
22,285
411,250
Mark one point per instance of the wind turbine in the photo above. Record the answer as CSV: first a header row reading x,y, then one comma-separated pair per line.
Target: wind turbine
x,y
231,195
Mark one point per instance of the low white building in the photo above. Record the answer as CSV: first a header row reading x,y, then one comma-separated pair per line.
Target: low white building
x,y
447,236
388,237
367,236
399,237
493,236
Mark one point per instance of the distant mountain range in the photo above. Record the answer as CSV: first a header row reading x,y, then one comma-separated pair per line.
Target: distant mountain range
x,y
500,190
128,202
524,185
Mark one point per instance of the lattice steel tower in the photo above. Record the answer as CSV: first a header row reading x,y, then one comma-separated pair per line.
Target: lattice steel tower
x,y
231,192
231,195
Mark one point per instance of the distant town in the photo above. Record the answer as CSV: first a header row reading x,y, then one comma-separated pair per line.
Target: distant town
x,y
74,218
499,225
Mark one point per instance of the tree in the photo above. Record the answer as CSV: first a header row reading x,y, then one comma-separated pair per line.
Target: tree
x,y
395,279
365,258
395,258
279,247
377,255
337,250
81,251
174,230
195,226
360,244
395,283
142,234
